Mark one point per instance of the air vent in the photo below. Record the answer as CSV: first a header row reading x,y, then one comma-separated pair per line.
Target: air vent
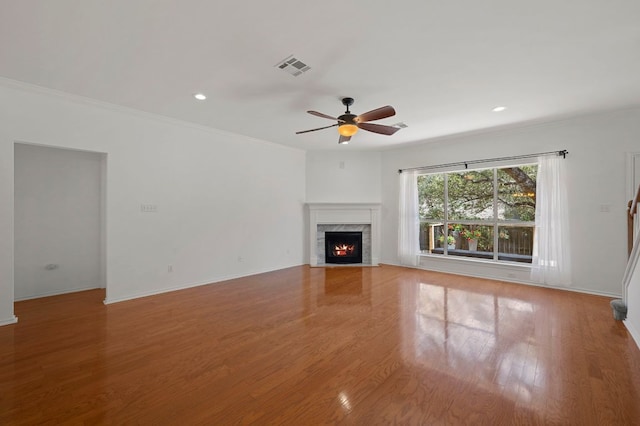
x,y
293,66
400,125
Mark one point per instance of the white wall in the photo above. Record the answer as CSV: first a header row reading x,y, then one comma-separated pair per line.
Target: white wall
x,y
597,146
57,220
343,176
222,199
6,231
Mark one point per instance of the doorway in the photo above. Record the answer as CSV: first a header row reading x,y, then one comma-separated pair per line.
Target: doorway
x,y
59,224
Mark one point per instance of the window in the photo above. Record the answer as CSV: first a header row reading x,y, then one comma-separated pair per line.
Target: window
x,y
486,214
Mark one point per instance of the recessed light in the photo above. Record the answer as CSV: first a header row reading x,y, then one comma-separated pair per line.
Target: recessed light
x,y
200,96
499,109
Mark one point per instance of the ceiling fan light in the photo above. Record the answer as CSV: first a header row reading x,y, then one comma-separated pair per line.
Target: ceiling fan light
x,y
347,129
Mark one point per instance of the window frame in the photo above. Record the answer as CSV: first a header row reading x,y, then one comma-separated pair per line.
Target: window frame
x,y
495,223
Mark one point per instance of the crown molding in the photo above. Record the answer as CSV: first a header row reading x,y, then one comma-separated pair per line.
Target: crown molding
x,y
78,99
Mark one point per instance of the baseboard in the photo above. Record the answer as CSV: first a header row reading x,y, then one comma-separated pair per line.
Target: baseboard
x,y
55,293
635,333
109,301
216,280
343,265
9,321
498,278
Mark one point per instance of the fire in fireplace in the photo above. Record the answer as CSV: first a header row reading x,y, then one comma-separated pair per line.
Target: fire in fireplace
x,y
343,247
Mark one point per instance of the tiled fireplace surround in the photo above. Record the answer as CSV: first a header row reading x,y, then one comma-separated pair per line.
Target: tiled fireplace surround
x,y
364,217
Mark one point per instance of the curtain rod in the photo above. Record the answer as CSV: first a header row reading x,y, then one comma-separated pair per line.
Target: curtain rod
x,y
562,152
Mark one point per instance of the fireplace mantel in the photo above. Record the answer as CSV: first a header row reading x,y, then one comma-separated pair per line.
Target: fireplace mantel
x,y
344,214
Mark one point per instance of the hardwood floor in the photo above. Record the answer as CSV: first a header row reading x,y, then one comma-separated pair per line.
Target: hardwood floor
x,y
304,345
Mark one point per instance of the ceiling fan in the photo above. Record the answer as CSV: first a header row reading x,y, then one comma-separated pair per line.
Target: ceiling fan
x,y
348,124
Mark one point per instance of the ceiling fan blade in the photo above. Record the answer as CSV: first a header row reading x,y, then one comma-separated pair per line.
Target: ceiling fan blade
x,y
376,114
313,130
319,114
344,139
378,128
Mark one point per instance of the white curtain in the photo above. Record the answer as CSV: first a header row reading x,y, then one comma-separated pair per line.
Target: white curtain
x,y
551,251
408,243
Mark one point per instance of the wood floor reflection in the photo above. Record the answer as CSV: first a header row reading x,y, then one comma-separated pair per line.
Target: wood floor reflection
x,y
304,345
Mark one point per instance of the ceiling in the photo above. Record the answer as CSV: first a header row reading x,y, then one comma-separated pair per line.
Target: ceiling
x,y
443,65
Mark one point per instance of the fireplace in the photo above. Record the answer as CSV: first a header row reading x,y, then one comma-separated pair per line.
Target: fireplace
x,y
344,217
343,247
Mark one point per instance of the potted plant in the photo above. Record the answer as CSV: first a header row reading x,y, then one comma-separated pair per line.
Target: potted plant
x,y
451,241
455,229
472,238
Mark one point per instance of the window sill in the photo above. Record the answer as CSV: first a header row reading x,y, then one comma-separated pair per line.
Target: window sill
x,y
475,260
506,257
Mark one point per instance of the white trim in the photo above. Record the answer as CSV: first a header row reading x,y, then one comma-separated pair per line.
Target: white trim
x,y
495,223
344,214
57,293
521,126
506,279
506,264
20,85
631,268
634,332
342,206
218,280
9,321
633,158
